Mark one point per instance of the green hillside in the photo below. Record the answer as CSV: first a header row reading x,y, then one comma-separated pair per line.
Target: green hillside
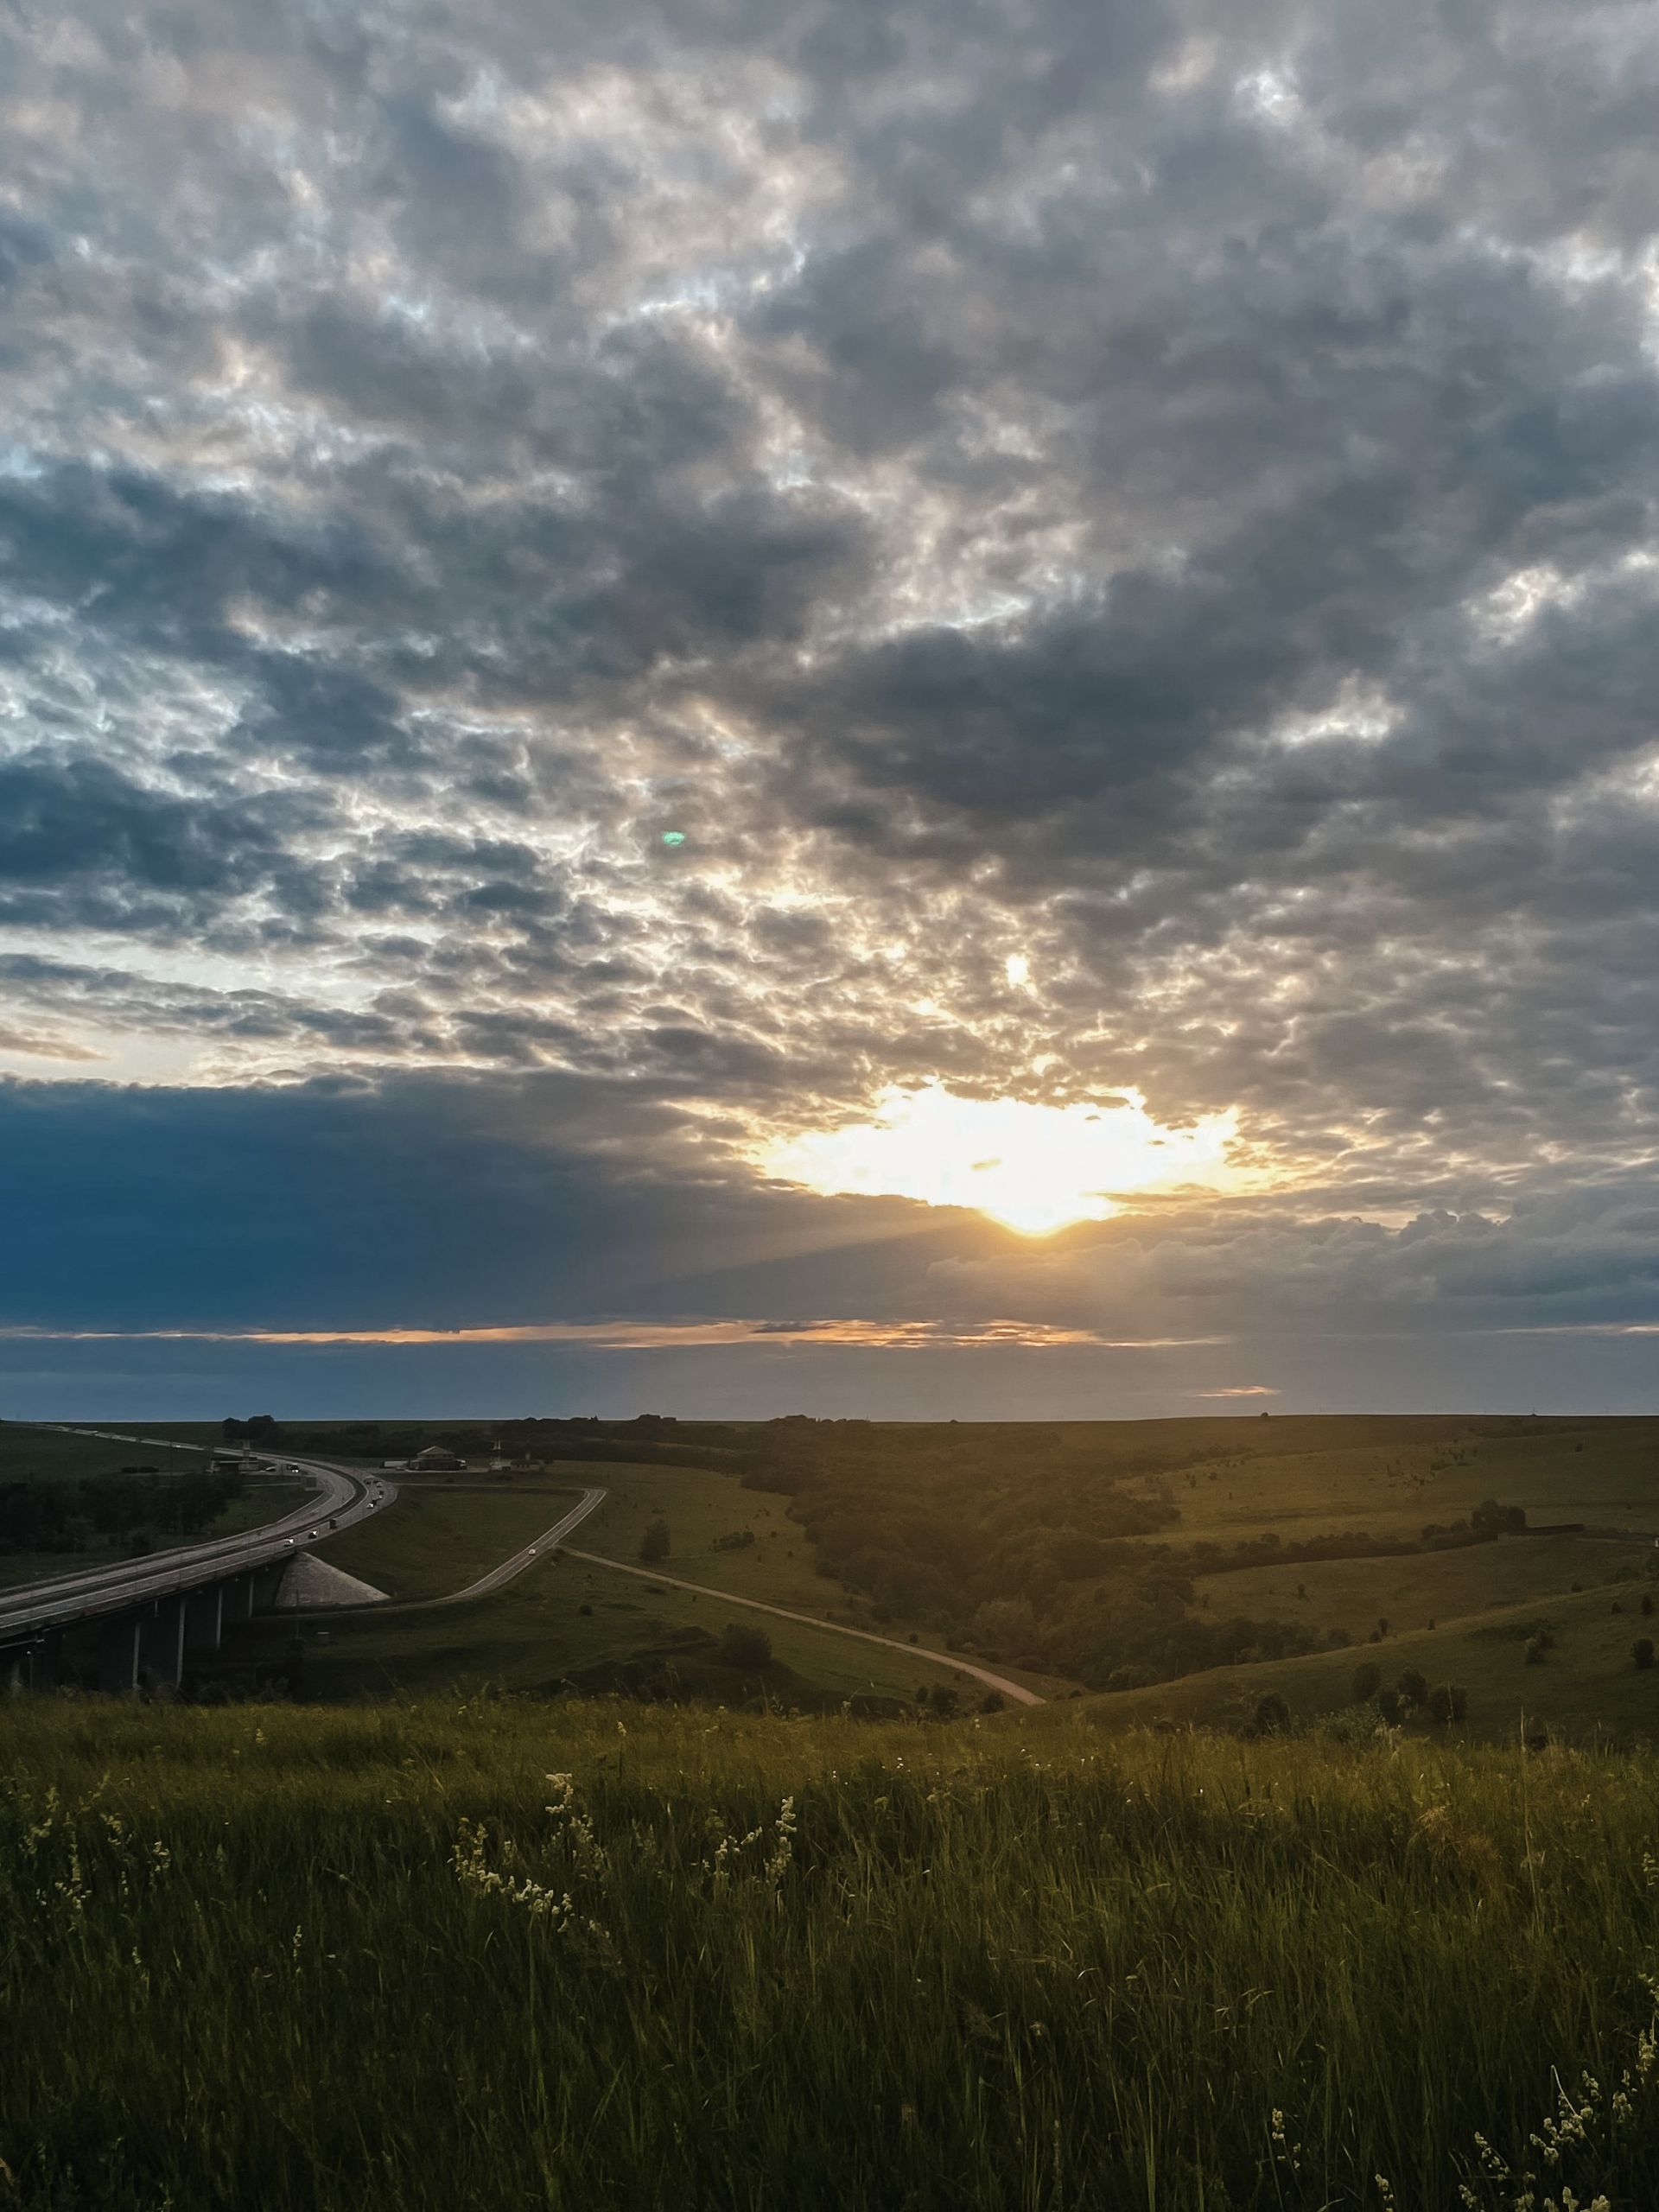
x,y
604,1956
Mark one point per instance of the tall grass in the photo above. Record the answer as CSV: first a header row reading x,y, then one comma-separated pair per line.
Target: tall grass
x,y
609,1955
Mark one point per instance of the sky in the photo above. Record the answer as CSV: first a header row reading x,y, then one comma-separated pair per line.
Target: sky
x,y
927,710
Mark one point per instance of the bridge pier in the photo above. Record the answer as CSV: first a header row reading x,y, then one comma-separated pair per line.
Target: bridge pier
x,y
118,1653
161,1641
45,1659
204,1618
34,1665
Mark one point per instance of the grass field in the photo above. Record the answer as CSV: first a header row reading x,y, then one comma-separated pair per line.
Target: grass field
x,y
1434,1587
394,1958
432,1541
48,1455
779,1568
1587,1684
1391,1474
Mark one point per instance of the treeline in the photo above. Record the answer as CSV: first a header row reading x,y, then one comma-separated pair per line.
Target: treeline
x,y
1485,1525
141,1511
652,1440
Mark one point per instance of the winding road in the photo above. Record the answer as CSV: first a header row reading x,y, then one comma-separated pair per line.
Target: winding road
x,y
509,1570
1017,1691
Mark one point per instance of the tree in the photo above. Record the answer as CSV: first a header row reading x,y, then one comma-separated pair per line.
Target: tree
x,y
1532,1651
654,1544
1368,1680
1414,1685
1388,1707
1272,1714
742,1645
1642,1651
1491,1519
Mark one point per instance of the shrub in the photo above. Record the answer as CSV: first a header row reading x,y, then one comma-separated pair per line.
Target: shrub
x,y
1642,1651
1272,1714
1532,1650
1414,1685
654,1544
1388,1707
740,1645
1368,1680
1647,1601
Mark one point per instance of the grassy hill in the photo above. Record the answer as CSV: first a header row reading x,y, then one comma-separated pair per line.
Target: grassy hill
x,y
604,1956
1587,1684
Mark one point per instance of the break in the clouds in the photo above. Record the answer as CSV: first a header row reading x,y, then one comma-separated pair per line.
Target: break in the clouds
x,y
1121,540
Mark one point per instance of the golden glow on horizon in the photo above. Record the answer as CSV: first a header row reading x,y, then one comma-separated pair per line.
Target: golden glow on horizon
x,y
1034,1168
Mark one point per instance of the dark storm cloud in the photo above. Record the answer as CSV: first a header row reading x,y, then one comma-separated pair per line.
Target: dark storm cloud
x,y
1166,490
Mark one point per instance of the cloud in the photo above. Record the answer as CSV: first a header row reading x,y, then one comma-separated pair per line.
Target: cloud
x,y
1155,503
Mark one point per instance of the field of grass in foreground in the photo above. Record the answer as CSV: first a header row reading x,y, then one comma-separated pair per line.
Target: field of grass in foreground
x,y
612,1956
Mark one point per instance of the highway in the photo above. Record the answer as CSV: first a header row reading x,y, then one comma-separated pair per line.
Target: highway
x,y
26,1610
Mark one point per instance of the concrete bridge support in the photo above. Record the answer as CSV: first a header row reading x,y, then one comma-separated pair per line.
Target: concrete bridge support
x,y
118,1653
204,1619
161,1641
33,1666
45,1660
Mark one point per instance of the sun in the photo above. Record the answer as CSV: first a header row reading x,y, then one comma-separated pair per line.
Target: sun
x,y
1034,1168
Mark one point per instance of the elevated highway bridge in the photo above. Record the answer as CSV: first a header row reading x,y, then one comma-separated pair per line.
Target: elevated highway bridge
x,y
152,1612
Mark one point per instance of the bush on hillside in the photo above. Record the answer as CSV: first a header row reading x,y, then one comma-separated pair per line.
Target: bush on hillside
x,y
1368,1680
1414,1685
743,1645
654,1544
1642,1651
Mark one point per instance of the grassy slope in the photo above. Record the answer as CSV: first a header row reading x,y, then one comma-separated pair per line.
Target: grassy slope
x,y
779,1568
45,1454
1354,1593
432,1541
253,1958
1303,1477
1587,1682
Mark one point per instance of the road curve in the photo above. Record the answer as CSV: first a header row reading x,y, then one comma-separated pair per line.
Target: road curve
x,y
497,1577
29,1608
1017,1691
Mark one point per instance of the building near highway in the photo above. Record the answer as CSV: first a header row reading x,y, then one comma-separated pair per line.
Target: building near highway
x,y
436,1459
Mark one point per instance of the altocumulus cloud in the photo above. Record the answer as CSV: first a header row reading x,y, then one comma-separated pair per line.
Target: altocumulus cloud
x,y
1121,539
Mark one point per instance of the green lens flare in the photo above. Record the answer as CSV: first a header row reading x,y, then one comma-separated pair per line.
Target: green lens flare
x,y
673,836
